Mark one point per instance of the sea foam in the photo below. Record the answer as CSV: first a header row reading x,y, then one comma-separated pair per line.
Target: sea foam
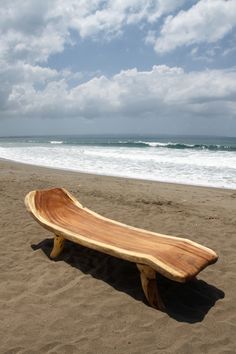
x,y
196,166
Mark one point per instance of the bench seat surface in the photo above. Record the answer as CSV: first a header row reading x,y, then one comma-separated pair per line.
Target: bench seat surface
x,y
178,259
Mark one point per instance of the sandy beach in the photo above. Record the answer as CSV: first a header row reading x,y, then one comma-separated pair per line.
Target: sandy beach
x,y
88,302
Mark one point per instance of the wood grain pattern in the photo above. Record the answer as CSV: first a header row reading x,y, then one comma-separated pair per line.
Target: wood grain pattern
x,y
176,258
149,285
58,246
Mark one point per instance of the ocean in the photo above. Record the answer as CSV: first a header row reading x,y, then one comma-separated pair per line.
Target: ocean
x,y
203,161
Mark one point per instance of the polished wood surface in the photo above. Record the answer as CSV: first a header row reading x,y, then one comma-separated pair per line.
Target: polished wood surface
x,y
176,258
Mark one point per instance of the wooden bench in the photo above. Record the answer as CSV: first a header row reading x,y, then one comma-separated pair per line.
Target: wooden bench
x,y
176,258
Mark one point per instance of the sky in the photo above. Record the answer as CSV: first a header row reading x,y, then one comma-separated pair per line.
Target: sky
x,y
118,67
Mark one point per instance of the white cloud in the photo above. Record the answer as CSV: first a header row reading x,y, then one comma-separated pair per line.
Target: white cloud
x,y
32,30
207,21
28,32
115,14
159,92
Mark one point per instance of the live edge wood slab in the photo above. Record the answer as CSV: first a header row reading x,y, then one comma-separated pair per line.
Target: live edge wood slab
x,y
176,258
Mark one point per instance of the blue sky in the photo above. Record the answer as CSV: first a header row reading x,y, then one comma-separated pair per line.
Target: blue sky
x,y
87,67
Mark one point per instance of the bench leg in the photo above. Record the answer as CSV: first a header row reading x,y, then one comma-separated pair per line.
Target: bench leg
x,y
58,246
149,285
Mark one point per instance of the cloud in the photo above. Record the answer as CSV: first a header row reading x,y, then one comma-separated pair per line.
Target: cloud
x,y
162,91
29,32
206,22
33,30
113,15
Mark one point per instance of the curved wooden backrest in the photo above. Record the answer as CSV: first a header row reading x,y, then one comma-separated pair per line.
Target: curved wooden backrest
x,y
176,258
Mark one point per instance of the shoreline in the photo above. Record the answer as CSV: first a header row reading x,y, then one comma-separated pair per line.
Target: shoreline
x,y
67,305
114,176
